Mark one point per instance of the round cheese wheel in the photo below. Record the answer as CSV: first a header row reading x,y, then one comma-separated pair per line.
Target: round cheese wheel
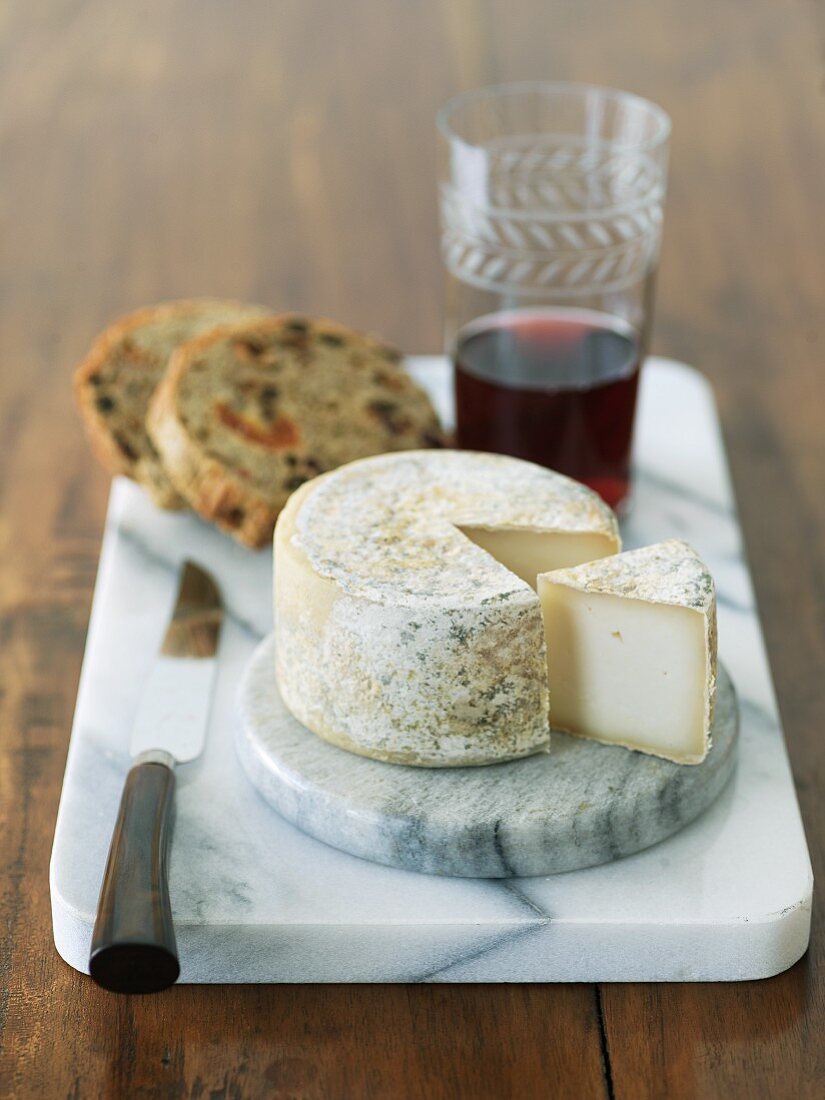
x,y
407,621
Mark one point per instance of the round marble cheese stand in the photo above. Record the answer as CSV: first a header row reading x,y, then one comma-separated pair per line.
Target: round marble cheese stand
x,y
579,805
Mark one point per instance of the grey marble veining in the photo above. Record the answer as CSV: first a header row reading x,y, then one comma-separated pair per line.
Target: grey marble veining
x,y
257,900
580,805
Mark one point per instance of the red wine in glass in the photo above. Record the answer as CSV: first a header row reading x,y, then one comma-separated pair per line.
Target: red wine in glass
x,y
556,386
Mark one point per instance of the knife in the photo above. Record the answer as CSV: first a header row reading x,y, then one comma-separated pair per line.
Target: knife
x,y
133,943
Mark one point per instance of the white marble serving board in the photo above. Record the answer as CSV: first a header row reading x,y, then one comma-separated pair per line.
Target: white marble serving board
x,y
254,900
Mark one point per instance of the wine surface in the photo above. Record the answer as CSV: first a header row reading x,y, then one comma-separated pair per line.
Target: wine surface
x,y
555,386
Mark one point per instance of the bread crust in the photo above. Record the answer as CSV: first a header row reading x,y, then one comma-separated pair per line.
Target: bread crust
x,y
110,446
214,486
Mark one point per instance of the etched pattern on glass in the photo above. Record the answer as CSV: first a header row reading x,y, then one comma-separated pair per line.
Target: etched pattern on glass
x,y
553,218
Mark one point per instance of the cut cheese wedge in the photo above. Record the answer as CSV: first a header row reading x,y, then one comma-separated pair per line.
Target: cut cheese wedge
x,y
407,622
631,650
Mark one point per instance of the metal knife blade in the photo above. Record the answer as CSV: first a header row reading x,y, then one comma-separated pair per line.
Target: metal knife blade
x,y
174,709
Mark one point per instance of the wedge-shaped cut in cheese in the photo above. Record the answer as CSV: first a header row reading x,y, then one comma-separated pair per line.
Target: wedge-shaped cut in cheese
x,y
631,650
399,636
528,553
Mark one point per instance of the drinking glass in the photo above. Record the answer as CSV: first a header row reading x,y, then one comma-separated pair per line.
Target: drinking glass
x,y
551,213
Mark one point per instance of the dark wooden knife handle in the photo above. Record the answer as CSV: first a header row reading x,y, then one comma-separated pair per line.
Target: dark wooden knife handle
x,y
133,943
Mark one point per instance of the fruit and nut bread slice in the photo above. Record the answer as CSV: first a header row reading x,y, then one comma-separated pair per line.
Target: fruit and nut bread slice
x,y
114,382
246,415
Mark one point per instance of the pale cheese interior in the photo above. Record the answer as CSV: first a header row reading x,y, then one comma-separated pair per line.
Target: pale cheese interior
x,y
528,553
626,671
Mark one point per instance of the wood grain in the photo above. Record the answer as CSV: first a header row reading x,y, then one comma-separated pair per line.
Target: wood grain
x,y
285,153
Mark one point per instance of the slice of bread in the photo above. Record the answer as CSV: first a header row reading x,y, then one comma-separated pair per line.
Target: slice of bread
x,y
114,382
245,415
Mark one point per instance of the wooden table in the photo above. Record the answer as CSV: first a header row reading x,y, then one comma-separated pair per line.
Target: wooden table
x,y
284,152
